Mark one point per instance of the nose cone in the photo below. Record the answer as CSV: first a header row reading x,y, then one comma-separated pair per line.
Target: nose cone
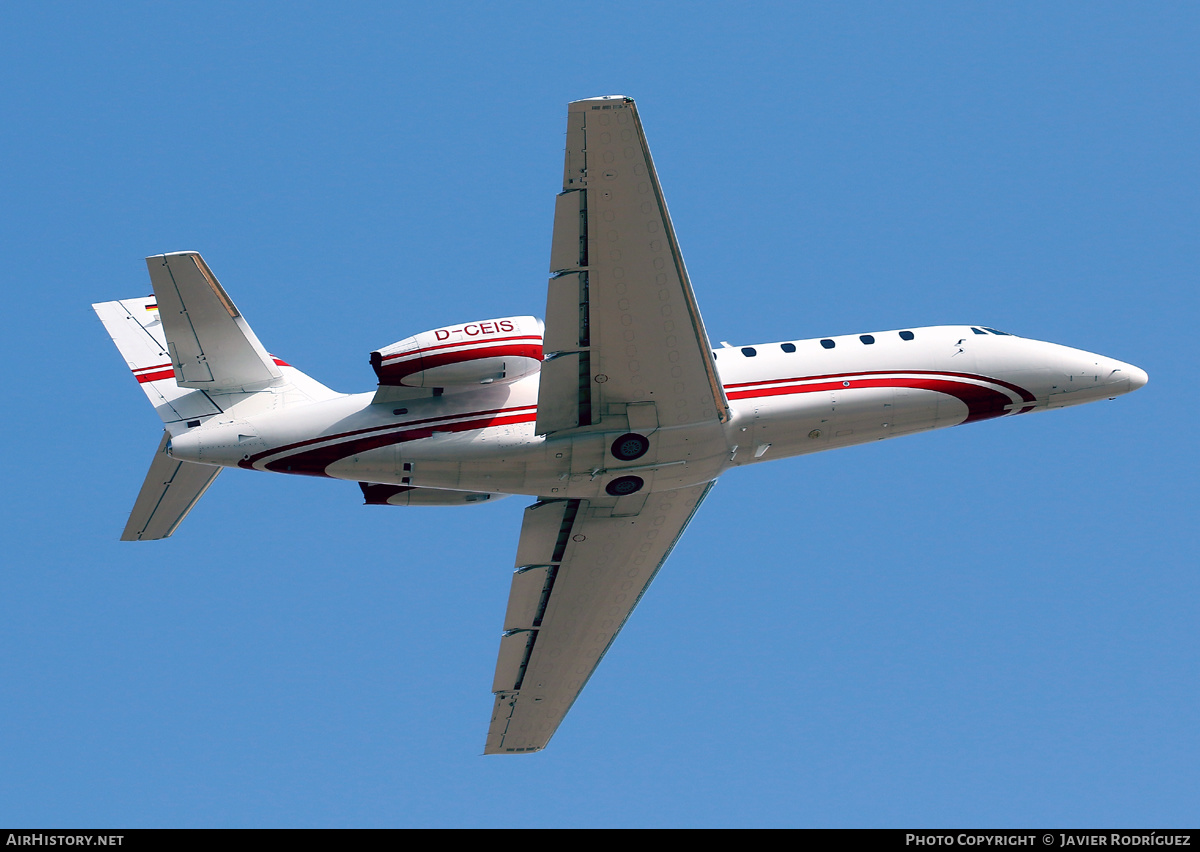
x,y
1137,376
1088,377
1123,378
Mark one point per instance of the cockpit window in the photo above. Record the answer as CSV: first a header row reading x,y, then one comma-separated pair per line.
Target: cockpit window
x,y
827,343
906,335
997,331
978,330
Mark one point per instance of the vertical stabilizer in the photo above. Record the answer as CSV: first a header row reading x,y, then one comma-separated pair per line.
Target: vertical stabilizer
x,y
134,325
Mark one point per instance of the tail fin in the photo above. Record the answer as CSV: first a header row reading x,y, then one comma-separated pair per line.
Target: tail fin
x,y
190,348
135,327
195,357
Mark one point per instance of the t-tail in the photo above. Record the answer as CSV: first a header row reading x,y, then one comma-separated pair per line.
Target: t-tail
x,y
196,358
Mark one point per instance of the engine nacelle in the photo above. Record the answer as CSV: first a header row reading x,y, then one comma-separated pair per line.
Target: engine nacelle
x,y
375,494
499,350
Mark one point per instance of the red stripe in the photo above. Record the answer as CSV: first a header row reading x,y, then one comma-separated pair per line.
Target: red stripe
x,y
313,462
249,463
165,371
982,403
1024,394
395,373
155,377
413,352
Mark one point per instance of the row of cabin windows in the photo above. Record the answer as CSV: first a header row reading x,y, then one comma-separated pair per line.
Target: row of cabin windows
x,y
867,339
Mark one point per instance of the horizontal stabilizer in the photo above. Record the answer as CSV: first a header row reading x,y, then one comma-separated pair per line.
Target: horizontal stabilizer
x,y
210,344
170,491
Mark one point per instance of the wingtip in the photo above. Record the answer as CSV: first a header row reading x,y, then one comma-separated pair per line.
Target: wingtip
x,y
165,254
626,98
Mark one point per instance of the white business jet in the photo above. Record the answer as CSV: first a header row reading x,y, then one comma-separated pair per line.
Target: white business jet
x,y
616,414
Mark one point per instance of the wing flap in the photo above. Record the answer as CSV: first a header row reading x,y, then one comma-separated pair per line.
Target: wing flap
x,y
600,566
169,492
526,598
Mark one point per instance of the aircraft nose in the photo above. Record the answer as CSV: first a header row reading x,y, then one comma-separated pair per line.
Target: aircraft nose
x,y
1125,378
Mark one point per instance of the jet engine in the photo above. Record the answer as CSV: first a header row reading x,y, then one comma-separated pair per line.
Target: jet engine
x,y
376,494
473,353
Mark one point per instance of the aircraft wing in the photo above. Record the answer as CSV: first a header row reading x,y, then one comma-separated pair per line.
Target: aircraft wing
x,y
170,491
210,344
582,566
622,324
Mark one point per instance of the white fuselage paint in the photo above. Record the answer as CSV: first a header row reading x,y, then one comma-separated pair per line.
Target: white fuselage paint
x,y
782,403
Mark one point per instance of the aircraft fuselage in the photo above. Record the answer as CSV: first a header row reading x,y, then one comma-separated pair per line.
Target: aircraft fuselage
x,y
786,399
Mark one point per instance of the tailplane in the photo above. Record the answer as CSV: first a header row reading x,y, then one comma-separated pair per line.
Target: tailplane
x,y
195,357
170,491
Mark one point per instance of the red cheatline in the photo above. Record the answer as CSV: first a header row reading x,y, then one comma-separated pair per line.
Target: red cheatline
x,y
982,403
442,422
473,343
1024,394
313,462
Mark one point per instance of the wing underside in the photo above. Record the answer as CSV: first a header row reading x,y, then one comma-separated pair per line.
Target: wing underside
x,y
582,566
622,323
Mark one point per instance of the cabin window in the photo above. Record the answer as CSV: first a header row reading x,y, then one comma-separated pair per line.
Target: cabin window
x,y
827,343
399,411
749,351
906,335
788,347
867,339
978,330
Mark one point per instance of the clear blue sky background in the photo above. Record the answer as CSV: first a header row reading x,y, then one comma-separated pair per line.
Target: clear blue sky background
x,y
994,625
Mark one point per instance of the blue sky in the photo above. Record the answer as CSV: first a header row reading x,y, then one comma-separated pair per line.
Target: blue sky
x,y
993,625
